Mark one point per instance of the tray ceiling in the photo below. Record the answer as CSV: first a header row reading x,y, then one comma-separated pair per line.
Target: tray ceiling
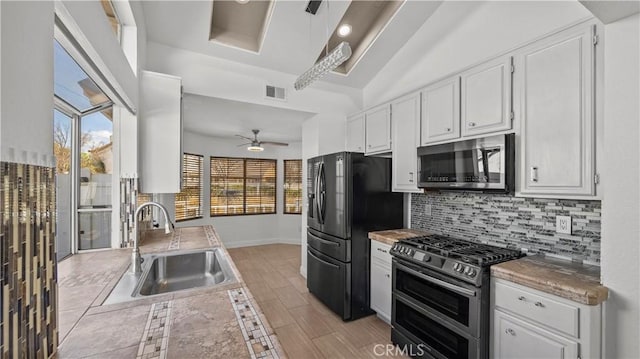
x,y
292,37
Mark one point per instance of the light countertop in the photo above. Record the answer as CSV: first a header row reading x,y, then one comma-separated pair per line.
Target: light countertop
x,y
573,281
392,236
211,322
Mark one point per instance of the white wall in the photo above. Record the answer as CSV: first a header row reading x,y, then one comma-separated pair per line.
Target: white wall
x,y
621,178
238,231
26,76
461,34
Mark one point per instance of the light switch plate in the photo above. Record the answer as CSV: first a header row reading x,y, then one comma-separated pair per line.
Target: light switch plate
x,y
427,210
563,224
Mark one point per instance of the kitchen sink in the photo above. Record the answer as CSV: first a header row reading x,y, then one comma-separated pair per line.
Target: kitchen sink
x,y
173,271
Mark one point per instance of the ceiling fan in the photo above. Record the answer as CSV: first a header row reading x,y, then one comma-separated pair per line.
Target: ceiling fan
x,y
255,145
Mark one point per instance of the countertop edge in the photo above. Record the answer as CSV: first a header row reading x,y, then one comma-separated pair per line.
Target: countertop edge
x,y
579,294
391,236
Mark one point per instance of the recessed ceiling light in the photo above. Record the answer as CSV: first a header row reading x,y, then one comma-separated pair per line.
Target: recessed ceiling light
x,y
242,1
344,30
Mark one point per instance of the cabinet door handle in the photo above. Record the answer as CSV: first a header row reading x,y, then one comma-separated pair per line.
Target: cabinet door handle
x,y
411,177
522,298
539,304
387,275
381,250
510,331
472,124
448,129
534,174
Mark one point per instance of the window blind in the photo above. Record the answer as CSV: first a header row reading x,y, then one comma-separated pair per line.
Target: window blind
x,y
242,186
293,186
188,202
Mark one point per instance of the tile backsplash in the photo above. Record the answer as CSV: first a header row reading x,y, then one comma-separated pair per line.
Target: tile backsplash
x,y
506,220
28,324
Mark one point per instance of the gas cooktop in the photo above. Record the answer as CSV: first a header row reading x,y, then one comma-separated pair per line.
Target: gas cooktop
x,y
459,258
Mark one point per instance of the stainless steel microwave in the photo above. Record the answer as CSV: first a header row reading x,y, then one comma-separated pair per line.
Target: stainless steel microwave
x,y
484,164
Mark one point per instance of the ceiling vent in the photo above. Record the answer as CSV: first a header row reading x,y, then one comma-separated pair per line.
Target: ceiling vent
x,y
274,92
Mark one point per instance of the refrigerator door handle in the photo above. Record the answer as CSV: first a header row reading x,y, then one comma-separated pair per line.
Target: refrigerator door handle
x,y
323,261
329,243
321,193
316,191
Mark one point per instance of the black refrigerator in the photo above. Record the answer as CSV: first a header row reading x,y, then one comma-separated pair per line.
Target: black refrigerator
x,y
349,195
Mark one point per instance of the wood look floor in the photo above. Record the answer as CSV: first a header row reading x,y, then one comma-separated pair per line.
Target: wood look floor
x,y
304,326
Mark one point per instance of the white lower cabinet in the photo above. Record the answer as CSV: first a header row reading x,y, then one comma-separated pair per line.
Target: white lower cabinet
x,y
380,299
528,323
515,339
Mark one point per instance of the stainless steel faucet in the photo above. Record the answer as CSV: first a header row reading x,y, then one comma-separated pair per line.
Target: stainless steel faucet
x,y
136,260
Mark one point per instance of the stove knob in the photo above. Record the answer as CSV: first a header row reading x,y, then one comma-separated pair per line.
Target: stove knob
x,y
469,271
427,258
458,267
412,251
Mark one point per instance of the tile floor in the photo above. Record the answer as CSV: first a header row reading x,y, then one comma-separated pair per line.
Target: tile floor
x,y
304,326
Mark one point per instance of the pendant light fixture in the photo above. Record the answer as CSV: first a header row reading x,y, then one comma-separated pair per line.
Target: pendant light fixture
x,y
328,63
332,59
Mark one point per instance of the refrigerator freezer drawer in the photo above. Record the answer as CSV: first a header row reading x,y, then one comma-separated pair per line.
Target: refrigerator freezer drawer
x,y
334,247
329,280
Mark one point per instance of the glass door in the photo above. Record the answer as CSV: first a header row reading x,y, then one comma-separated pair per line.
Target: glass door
x,y
96,168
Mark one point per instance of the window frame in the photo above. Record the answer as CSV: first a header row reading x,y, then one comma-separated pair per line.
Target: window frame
x,y
201,192
244,185
284,183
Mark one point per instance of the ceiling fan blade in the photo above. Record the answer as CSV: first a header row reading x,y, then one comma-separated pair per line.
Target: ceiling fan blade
x,y
244,144
274,143
246,138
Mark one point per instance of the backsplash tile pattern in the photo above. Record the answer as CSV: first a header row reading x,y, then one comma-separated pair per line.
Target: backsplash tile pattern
x,y
28,323
506,220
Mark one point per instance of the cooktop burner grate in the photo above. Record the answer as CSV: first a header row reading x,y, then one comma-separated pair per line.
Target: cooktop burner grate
x,y
465,251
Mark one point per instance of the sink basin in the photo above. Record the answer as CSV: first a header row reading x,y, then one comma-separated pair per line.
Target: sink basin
x,y
173,271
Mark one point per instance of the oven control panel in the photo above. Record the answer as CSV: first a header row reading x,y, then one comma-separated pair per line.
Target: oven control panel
x,y
450,266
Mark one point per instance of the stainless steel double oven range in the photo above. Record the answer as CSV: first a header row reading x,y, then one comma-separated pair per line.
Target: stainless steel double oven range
x,y
441,296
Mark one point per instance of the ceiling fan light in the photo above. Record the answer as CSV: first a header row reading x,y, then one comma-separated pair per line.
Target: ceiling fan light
x,y
253,148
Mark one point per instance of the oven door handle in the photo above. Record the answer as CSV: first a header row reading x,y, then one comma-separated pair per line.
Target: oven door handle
x,y
451,287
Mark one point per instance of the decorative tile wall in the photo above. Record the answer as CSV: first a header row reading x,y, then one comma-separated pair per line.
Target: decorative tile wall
x,y
28,325
505,220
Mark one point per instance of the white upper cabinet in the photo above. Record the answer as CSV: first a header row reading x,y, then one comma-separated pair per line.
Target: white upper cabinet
x,y
378,130
486,97
160,131
440,118
355,133
555,99
405,116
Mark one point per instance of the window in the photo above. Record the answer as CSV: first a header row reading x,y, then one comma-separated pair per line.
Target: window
x,y
188,202
293,186
242,186
112,16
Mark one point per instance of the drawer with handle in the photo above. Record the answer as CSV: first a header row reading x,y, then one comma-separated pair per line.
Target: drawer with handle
x,y
380,251
540,308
